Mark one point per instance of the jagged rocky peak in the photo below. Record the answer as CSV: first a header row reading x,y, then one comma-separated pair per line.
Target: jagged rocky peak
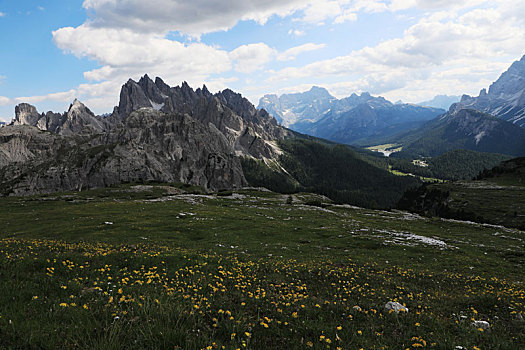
x,y
77,108
228,111
26,114
237,103
132,97
151,90
78,119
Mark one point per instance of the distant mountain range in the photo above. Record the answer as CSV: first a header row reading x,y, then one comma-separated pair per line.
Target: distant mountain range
x,y
441,101
492,122
351,120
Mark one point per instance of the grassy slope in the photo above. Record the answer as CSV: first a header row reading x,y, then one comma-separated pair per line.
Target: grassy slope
x,y
496,197
249,272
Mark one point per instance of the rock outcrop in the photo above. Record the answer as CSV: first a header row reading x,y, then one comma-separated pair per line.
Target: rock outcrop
x,y
149,146
78,119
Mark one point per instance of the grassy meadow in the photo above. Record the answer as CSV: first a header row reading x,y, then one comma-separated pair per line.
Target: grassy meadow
x,y
150,267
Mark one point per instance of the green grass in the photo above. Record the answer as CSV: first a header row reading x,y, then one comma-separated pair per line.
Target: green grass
x,y
249,271
498,202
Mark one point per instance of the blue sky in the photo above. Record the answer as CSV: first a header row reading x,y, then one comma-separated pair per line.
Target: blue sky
x,y
53,51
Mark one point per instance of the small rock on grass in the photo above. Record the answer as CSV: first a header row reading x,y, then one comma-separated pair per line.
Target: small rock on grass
x,y
396,307
481,324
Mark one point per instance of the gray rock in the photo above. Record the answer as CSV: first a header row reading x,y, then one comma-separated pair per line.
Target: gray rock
x,y
396,307
248,130
481,324
25,114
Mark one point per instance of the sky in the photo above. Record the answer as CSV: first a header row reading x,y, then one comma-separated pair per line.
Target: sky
x,y
53,51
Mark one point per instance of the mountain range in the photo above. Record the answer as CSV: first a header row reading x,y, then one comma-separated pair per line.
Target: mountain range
x,y
180,135
492,122
218,141
351,120
156,133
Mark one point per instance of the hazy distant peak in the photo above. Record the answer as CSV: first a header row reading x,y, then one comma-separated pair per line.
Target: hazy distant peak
x,y
441,101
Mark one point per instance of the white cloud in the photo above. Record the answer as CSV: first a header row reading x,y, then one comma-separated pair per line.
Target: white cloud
x,y
443,53
346,16
123,53
190,17
293,52
4,101
125,48
317,12
296,32
251,57
58,96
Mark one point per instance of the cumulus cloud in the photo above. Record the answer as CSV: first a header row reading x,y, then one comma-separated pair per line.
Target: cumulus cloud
x,y
125,48
190,17
59,96
439,42
2,14
317,12
251,57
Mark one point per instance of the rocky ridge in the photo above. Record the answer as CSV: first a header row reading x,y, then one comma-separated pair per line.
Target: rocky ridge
x,y
156,133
